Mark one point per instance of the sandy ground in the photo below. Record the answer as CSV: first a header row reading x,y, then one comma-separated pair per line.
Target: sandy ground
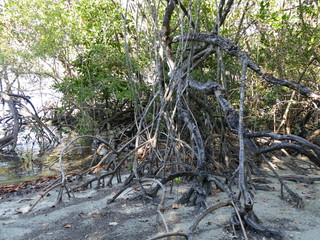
x,y
88,216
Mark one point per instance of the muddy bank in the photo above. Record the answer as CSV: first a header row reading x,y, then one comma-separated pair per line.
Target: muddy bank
x,y
88,216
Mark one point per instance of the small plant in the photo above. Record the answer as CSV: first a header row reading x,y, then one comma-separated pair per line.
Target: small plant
x,y
177,181
130,167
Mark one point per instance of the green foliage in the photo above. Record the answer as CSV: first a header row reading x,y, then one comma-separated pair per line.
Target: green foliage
x,y
177,180
102,78
40,28
102,48
100,23
288,36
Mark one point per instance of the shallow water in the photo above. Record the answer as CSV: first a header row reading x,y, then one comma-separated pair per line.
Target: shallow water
x,y
14,169
25,164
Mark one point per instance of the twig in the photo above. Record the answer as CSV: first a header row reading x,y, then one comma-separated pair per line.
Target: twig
x,y
170,234
42,195
164,221
205,213
240,221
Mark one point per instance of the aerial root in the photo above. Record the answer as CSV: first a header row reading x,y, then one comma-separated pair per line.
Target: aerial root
x,y
205,213
145,194
42,195
189,235
248,220
267,232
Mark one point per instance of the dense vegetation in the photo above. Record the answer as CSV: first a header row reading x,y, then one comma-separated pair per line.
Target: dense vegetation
x,y
191,84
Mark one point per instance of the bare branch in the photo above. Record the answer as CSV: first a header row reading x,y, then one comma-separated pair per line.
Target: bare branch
x,y
233,50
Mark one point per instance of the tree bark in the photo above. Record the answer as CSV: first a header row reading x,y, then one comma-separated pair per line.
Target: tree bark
x,y
11,139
